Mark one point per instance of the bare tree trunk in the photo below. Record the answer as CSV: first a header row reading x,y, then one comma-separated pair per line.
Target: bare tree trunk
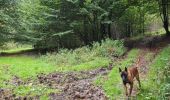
x,y
109,25
103,31
165,15
166,24
109,30
163,6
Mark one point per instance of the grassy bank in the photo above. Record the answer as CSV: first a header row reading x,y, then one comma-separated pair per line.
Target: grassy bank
x,y
157,85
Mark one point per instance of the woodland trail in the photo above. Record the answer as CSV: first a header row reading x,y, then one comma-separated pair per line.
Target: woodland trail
x,y
146,56
84,89
149,48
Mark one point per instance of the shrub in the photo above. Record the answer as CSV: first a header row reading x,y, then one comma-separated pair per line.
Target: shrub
x,y
69,58
109,47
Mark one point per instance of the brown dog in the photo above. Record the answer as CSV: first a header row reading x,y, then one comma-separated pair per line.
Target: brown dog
x,y
128,76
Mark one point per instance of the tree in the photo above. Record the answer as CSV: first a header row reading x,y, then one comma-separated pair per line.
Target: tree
x,y
72,23
164,10
7,20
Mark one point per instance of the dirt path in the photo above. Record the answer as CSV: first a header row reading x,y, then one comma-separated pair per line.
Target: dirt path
x,y
76,88
145,58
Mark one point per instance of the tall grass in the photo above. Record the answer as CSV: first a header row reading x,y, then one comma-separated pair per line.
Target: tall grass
x,y
99,55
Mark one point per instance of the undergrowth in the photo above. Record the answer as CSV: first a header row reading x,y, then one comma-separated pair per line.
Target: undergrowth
x,y
85,58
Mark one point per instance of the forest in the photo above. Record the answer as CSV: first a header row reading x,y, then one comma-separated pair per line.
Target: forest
x,y
78,49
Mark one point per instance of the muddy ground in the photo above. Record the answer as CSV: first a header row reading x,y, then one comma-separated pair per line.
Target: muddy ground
x,y
75,85
72,86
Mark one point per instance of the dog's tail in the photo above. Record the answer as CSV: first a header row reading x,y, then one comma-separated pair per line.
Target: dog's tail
x,y
138,62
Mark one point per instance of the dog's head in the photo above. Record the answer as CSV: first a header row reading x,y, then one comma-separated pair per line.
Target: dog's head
x,y
124,75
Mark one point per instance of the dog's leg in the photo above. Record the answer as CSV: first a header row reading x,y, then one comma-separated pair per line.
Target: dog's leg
x,y
137,78
131,87
125,87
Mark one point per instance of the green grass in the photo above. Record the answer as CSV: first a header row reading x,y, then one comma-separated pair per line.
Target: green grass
x,y
28,67
96,63
24,67
111,83
34,90
158,83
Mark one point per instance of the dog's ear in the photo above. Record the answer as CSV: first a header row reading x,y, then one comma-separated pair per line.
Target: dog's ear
x,y
120,70
125,69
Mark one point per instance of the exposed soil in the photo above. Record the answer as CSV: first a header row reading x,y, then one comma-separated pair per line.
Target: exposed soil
x,y
72,86
75,85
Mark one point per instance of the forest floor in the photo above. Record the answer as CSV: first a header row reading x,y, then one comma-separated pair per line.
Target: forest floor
x,y
72,85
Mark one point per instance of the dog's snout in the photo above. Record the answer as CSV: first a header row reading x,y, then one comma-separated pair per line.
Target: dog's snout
x,y
123,78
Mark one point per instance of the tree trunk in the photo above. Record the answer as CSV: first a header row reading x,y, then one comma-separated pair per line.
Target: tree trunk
x,y
109,30
165,15
163,5
102,30
84,36
166,24
128,30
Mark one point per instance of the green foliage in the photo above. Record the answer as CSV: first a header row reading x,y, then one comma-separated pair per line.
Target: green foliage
x,y
111,83
72,23
157,84
86,57
7,23
109,48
